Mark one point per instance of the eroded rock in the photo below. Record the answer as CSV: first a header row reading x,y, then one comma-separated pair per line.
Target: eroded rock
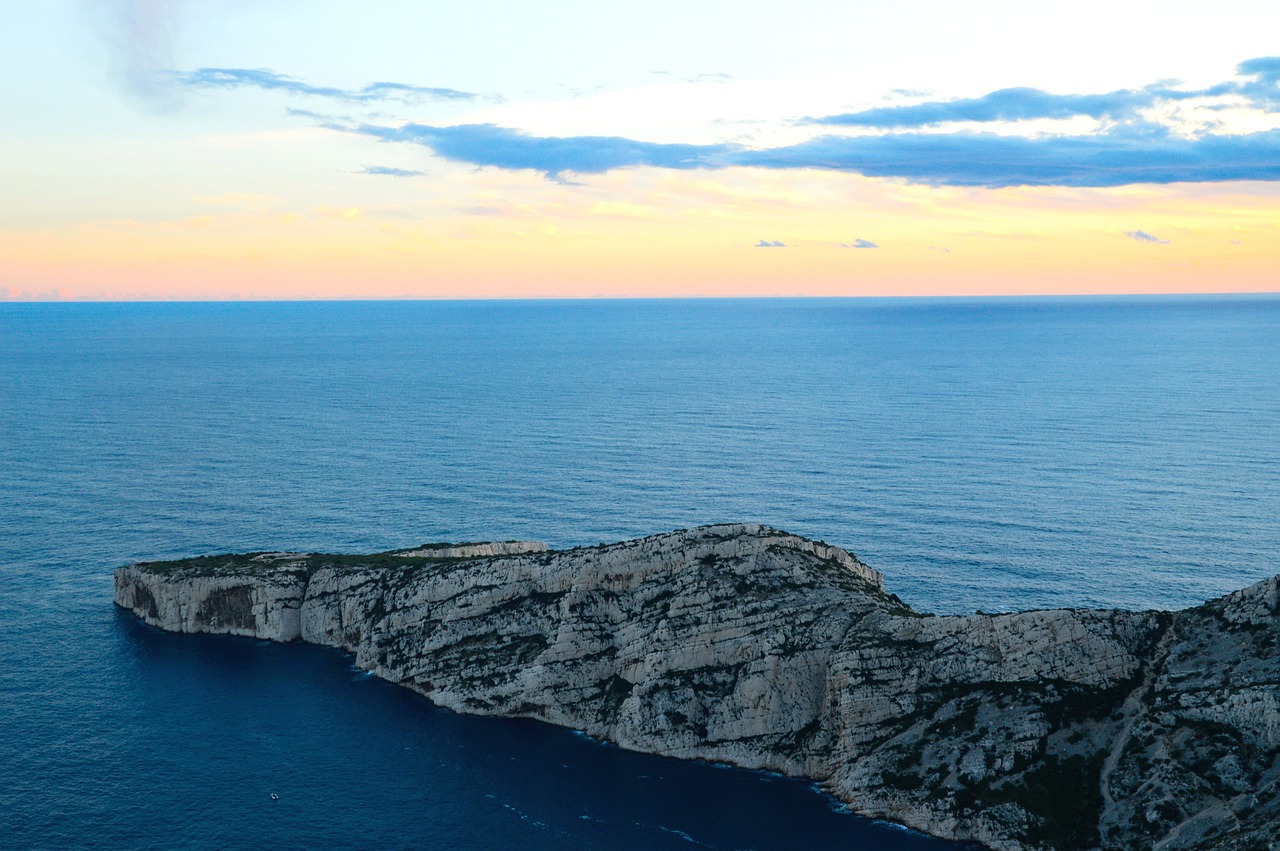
x,y
743,644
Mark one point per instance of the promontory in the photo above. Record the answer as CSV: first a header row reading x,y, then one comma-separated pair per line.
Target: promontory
x,y
743,644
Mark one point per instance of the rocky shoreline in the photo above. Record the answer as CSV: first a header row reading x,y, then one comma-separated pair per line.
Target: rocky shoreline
x,y
744,644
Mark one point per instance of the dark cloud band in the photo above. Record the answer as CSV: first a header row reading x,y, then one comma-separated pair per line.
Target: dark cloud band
x,y
490,145
1121,157
1142,154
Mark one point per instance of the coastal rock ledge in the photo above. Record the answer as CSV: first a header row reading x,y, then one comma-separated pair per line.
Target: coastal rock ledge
x,y
746,645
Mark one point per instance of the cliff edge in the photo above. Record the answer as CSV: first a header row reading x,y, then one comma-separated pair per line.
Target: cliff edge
x,y
743,644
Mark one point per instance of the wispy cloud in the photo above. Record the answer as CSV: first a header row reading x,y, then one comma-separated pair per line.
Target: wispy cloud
x,y
262,78
390,171
1019,104
313,115
1143,236
1259,85
715,76
141,34
764,243
859,243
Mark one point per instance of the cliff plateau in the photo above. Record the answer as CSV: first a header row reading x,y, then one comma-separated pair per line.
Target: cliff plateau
x,y
746,645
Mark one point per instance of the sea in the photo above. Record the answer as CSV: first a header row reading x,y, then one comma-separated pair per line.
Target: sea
x,y
986,454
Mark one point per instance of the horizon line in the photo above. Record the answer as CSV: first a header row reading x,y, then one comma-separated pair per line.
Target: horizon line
x,y
801,297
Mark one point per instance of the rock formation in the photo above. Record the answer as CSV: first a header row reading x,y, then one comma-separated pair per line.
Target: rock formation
x,y
743,644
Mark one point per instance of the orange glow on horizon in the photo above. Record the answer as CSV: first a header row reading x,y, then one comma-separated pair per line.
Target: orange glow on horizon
x,y
652,233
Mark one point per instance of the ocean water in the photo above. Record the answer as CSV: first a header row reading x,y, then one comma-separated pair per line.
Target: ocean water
x,y
984,453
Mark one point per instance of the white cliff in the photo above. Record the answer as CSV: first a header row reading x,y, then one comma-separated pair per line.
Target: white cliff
x,y
743,644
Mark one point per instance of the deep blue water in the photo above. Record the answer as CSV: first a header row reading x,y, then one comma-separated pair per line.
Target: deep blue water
x,y
983,453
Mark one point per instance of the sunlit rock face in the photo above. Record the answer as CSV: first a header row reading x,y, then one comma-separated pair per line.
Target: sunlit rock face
x,y
743,644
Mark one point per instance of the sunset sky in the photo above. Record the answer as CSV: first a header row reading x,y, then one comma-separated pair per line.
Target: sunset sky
x,y
282,149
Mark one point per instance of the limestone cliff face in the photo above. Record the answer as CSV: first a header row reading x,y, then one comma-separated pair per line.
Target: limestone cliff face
x,y
496,548
743,644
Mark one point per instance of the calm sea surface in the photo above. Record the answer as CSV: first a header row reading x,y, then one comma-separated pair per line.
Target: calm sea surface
x,y
983,453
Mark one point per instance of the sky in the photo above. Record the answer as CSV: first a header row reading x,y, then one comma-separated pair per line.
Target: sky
x,y
304,149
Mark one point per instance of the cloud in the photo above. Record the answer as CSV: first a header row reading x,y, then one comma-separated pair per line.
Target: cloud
x,y
859,243
1131,148
262,78
501,147
312,114
1261,88
1264,87
140,34
391,172
7,294
1126,155
764,243
1265,68
714,76
1143,236
1018,104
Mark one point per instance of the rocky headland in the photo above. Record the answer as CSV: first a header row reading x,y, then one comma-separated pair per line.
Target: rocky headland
x,y
743,644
